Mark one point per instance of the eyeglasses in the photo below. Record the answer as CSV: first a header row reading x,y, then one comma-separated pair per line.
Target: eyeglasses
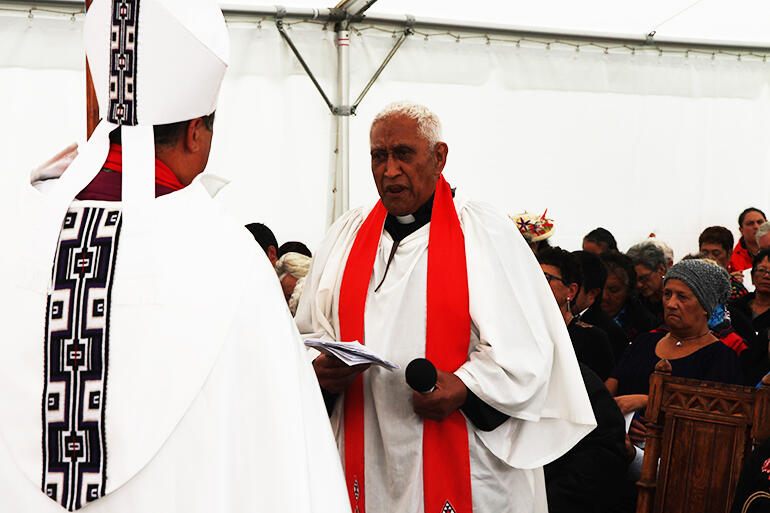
x,y
644,277
551,277
762,272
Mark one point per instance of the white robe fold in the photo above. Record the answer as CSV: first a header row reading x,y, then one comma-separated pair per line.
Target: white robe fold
x,y
211,405
521,362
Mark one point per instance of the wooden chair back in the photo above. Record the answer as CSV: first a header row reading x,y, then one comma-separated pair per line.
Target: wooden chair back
x,y
698,435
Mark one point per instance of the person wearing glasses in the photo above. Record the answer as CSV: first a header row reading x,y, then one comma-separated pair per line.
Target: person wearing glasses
x,y
592,347
650,265
756,306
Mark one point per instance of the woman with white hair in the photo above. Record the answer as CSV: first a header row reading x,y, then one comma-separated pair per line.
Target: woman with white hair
x,y
292,269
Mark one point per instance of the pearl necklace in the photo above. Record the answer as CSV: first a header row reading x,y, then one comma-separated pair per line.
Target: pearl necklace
x,y
679,342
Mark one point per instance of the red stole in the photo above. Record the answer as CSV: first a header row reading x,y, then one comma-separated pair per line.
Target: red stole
x,y
446,464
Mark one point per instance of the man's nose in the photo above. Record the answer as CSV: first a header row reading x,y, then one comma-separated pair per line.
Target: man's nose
x,y
391,167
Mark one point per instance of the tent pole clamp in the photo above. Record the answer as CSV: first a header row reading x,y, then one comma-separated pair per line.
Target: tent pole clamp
x,y
342,110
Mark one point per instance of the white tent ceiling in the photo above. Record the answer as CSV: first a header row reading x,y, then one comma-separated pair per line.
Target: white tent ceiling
x,y
638,143
719,21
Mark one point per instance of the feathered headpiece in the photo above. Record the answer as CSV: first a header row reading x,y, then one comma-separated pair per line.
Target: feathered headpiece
x,y
534,228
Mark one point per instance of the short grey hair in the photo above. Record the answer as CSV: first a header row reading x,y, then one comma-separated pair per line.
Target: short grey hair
x,y
666,249
647,254
428,123
763,230
296,264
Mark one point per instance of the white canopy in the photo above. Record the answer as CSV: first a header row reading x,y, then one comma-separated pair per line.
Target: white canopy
x,y
624,137
717,21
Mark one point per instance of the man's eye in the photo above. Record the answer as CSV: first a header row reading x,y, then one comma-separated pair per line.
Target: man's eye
x,y
402,153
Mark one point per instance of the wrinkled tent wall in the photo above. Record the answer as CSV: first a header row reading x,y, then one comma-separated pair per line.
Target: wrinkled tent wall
x,y
637,143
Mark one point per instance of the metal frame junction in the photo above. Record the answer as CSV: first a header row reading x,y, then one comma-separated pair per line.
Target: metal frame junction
x,y
348,13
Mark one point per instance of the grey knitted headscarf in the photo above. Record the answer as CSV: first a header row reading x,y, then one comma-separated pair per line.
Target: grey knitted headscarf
x,y
710,283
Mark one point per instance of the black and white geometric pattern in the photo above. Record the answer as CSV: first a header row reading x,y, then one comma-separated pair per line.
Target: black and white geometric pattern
x,y
123,45
356,492
447,508
76,356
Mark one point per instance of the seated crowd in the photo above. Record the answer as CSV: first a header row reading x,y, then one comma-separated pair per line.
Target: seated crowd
x,y
624,312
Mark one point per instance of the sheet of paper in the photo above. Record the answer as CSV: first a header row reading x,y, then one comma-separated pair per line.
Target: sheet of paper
x,y
628,418
747,280
352,353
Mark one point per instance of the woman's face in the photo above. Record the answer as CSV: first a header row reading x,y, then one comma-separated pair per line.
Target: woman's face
x,y
615,292
562,291
716,253
681,309
288,283
750,225
649,281
760,276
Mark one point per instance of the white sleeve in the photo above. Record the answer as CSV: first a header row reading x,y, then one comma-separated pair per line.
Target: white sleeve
x,y
522,362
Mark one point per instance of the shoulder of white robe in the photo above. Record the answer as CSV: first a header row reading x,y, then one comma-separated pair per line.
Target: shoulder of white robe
x,y
325,271
558,414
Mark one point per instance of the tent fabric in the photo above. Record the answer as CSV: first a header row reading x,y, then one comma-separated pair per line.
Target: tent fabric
x,y
635,143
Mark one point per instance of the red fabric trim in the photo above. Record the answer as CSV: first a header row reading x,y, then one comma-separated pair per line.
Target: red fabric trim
x,y
446,461
734,341
353,290
163,174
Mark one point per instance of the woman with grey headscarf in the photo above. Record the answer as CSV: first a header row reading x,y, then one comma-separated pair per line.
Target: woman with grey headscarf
x,y
692,291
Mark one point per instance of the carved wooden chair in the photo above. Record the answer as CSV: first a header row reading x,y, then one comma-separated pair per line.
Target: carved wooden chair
x,y
698,435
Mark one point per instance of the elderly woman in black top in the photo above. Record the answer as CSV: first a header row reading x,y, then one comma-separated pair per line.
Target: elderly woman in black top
x,y
692,289
650,265
756,306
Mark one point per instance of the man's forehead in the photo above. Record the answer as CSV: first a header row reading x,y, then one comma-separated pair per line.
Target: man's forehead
x,y
395,130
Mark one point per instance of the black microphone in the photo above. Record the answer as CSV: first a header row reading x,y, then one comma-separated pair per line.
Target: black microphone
x,y
421,375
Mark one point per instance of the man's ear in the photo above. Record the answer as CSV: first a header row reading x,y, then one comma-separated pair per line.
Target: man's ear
x,y
593,294
440,153
193,135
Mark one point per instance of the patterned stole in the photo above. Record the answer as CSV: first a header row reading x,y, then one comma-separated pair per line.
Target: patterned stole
x,y
77,355
446,464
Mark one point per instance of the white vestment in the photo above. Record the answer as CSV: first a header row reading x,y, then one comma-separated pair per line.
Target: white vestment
x,y
521,362
210,403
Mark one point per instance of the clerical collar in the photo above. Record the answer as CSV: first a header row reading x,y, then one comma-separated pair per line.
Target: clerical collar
x,y
400,227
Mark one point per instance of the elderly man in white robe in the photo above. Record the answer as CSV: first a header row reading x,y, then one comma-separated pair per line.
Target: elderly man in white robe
x,y
141,333
426,273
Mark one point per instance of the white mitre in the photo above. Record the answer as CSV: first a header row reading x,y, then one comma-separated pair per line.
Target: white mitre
x,y
152,62
178,63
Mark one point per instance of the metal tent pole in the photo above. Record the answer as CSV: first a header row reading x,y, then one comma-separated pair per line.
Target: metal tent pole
x,y
342,191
